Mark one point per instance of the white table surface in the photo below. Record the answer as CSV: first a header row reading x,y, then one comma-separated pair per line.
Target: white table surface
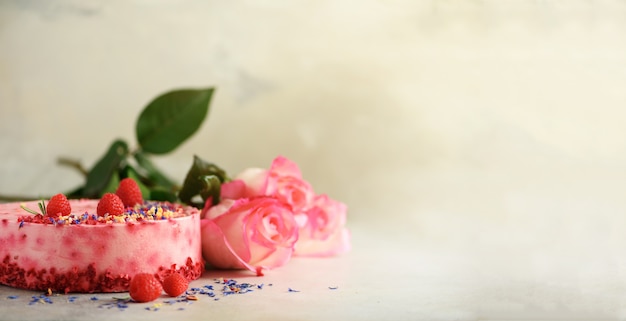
x,y
479,145
387,276
358,285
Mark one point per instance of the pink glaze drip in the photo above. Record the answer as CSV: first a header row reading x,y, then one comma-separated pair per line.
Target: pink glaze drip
x,y
95,258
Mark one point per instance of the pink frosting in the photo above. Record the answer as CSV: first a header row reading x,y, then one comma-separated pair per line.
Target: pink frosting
x,y
94,258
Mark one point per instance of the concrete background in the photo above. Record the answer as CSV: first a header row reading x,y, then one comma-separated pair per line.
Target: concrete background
x,y
492,129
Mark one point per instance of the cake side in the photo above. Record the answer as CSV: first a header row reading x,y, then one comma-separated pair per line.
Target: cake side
x,y
97,254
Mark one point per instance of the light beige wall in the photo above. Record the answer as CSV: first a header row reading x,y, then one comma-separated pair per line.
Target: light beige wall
x,y
407,110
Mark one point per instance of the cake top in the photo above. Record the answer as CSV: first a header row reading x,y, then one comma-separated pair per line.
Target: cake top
x,y
126,205
84,211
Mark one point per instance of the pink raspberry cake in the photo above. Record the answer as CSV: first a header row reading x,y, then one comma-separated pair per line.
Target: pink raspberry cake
x,y
87,252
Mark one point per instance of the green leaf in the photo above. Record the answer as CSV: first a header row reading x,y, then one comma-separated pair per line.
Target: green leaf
x,y
100,175
212,187
155,176
203,180
78,192
112,185
159,194
171,118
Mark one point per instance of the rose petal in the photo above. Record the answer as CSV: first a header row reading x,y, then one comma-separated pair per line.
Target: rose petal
x,y
323,233
255,234
279,257
291,190
217,210
233,189
281,166
301,219
271,227
255,180
216,250
233,226
336,244
326,217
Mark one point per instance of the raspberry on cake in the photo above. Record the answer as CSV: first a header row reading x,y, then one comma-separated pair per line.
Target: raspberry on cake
x,y
129,192
58,205
110,204
85,252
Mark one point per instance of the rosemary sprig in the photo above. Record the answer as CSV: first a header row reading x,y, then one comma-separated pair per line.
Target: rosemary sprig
x,y
42,208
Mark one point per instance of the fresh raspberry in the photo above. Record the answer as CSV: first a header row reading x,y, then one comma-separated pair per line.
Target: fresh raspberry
x,y
129,192
110,203
144,287
58,205
175,284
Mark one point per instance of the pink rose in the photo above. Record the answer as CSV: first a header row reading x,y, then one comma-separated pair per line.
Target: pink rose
x,y
283,180
324,233
253,234
321,219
